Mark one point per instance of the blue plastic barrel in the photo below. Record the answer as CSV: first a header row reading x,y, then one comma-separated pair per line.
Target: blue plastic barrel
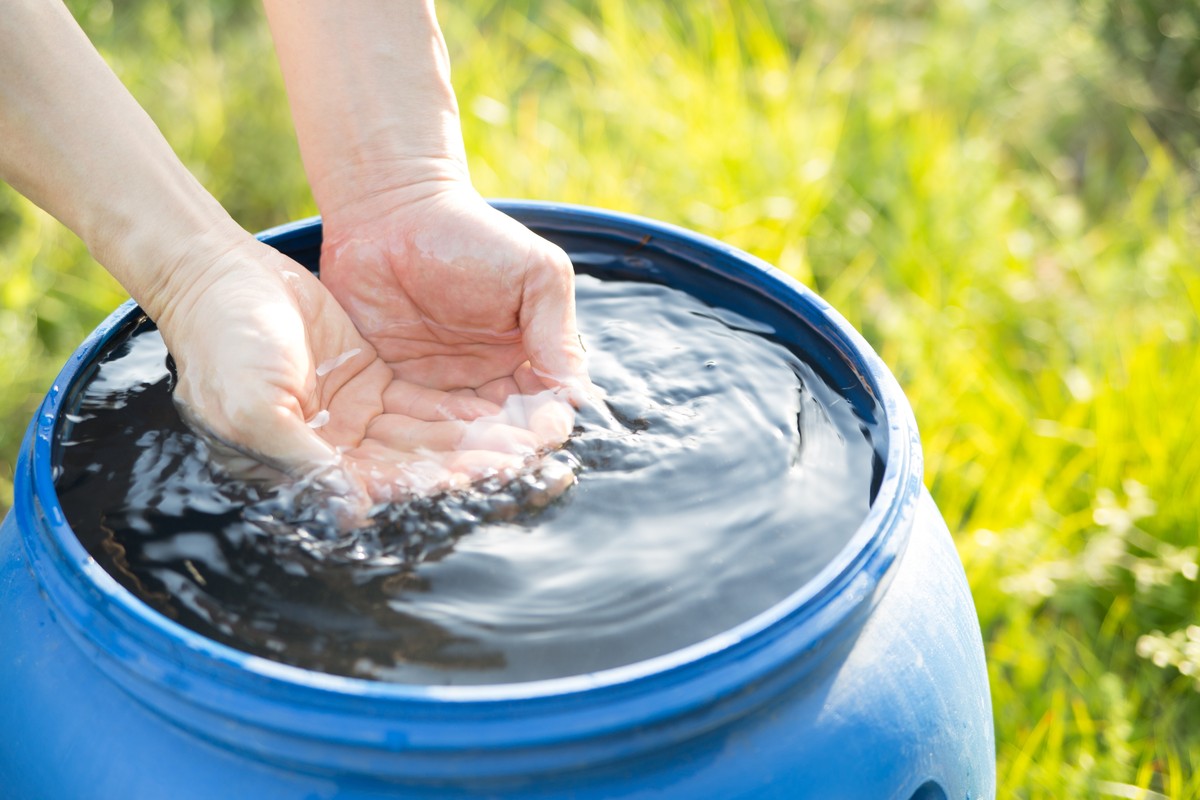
x,y
867,682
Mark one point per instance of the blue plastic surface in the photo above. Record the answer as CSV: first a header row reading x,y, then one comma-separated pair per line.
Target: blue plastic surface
x,y
868,682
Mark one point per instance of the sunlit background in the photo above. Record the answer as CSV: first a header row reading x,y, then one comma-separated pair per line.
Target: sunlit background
x,y
1001,195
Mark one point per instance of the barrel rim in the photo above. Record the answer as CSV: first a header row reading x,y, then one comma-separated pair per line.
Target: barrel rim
x,y
745,653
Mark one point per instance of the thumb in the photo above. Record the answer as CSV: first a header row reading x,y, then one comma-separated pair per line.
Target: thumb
x,y
264,429
276,441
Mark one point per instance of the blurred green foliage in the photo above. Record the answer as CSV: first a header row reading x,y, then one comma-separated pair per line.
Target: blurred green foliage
x,y
999,193
1160,41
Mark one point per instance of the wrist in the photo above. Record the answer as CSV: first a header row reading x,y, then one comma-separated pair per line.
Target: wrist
x,y
410,144
159,236
172,274
370,92
393,191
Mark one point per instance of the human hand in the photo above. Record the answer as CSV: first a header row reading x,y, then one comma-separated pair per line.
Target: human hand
x,y
269,363
453,295
457,297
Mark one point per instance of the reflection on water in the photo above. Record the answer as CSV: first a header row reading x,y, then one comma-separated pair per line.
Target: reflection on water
x,y
722,476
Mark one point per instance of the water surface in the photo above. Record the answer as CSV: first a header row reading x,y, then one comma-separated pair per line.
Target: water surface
x,y
726,474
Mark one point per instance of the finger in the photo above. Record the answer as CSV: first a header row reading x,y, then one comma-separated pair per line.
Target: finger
x,y
476,464
528,381
390,476
407,435
423,402
548,323
499,390
357,398
542,411
259,419
467,364
551,418
501,433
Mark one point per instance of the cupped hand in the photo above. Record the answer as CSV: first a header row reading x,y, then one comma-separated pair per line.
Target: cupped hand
x,y
457,297
269,363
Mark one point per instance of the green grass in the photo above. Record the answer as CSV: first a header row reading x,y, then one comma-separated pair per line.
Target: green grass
x,y
996,193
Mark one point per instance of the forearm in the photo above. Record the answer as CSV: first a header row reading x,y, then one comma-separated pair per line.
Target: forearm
x,y
369,87
74,141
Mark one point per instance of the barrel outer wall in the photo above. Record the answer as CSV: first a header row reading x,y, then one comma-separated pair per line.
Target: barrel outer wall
x,y
905,702
899,697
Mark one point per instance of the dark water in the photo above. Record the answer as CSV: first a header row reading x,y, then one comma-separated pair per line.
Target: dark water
x,y
726,476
